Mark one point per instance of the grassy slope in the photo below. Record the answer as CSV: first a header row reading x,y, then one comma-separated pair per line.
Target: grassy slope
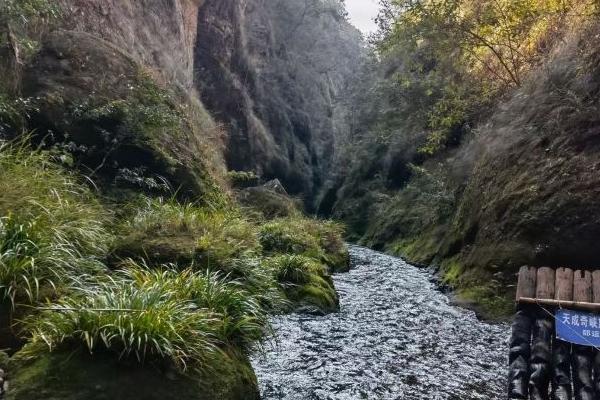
x,y
60,244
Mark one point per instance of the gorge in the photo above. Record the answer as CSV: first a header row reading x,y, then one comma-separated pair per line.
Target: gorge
x,y
178,179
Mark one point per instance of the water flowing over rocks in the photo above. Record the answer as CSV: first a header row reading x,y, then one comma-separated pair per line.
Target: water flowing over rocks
x,y
396,337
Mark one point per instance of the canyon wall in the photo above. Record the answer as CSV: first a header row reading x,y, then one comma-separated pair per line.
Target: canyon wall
x,y
259,83
273,72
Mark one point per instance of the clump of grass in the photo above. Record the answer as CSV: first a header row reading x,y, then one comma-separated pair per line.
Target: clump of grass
x,y
305,281
148,321
295,269
181,317
299,235
293,235
240,320
51,226
164,230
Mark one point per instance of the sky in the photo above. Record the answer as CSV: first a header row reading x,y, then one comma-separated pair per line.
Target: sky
x,y
362,13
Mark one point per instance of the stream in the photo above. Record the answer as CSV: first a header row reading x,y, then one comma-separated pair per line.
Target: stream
x,y
396,337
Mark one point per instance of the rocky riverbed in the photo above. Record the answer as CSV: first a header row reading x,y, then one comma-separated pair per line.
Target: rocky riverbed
x,y
396,337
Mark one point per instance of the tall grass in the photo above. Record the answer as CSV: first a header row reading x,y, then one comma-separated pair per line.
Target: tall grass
x,y
240,319
216,236
183,317
146,321
320,240
294,269
51,226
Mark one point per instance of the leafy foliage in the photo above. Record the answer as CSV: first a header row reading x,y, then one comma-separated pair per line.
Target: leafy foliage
x,y
448,45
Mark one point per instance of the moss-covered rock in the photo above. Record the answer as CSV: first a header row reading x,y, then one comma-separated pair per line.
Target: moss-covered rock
x,y
320,240
306,283
80,376
97,103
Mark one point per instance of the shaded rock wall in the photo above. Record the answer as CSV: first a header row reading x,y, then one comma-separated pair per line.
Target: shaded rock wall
x,y
273,72
160,34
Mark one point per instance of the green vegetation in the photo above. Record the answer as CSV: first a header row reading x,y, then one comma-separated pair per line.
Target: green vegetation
x,y
21,22
156,282
223,240
166,231
448,45
305,282
51,229
303,236
182,317
102,376
240,179
459,157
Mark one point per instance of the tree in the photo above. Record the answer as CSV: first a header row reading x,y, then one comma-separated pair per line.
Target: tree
x,y
465,53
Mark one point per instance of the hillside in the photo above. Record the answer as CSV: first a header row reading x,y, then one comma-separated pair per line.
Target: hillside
x,y
461,166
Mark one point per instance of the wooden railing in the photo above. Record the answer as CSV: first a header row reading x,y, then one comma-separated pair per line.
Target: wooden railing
x,y
541,366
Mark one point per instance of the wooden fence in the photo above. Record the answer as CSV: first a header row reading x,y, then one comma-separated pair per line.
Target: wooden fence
x,y
541,366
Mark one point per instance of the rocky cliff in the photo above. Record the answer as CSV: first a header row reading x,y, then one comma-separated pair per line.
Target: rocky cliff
x,y
273,72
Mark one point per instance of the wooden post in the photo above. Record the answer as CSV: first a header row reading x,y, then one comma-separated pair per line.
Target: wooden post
x,y
582,356
526,283
561,352
541,354
582,286
545,283
564,284
596,286
520,340
519,353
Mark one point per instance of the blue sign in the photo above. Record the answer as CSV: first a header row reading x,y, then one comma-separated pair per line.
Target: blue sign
x,y
578,327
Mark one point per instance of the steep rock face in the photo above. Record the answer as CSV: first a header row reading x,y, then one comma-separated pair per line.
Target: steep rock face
x,y
532,196
158,34
97,102
273,71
